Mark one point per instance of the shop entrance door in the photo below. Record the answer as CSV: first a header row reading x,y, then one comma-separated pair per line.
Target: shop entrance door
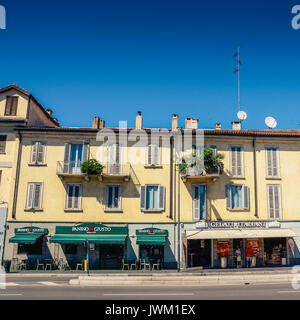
x,y
238,246
152,253
111,256
199,253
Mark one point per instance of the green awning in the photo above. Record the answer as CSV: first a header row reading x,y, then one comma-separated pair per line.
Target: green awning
x,y
81,238
25,238
151,240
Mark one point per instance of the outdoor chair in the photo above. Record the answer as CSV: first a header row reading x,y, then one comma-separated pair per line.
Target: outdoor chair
x,y
133,265
146,264
15,264
39,264
125,265
66,266
49,264
22,265
156,265
79,265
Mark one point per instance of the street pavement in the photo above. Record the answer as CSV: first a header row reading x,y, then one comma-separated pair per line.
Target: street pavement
x,y
58,288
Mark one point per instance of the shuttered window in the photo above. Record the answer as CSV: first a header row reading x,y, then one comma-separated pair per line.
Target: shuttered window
x,y
153,155
199,202
11,106
236,155
73,200
272,162
2,144
34,195
38,151
114,159
152,197
237,197
274,201
113,197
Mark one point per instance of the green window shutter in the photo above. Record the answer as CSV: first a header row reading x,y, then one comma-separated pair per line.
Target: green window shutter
x,y
228,196
162,196
143,198
67,166
246,198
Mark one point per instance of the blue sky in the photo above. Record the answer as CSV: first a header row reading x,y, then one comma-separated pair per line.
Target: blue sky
x,y
112,58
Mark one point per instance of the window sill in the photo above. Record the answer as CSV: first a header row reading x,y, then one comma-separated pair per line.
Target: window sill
x,y
152,211
238,177
107,210
2,152
33,210
238,210
37,164
273,178
153,166
73,210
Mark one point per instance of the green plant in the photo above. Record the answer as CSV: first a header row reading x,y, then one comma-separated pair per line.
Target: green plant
x,y
91,166
208,158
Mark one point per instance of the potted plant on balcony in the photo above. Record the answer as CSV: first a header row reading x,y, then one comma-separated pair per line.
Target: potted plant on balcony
x,y
193,164
91,167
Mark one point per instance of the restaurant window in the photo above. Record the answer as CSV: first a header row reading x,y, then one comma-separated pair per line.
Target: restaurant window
x,y
70,248
153,155
272,162
199,202
11,106
274,201
237,197
152,197
31,249
113,197
38,150
2,144
236,156
73,200
34,195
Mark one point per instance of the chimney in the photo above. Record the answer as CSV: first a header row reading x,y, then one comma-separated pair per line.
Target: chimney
x,y
174,121
191,123
236,125
96,123
49,111
218,126
101,124
139,120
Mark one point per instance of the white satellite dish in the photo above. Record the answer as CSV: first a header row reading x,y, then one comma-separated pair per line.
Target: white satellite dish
x,y
242,115
270,122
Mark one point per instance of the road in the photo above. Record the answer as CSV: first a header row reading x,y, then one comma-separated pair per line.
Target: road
x,y
58,288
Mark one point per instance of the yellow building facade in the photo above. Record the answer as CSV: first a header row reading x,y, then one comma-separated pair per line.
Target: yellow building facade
x,y
144,208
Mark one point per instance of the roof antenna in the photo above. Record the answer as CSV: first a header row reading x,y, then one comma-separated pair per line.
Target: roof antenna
x,y
237,70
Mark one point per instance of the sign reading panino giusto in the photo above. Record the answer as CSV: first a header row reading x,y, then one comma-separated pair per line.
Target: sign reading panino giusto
x,y
237,224
91,228
31,230
152,231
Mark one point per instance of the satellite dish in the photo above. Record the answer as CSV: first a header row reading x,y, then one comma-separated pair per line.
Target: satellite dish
x,y
270,122
242,115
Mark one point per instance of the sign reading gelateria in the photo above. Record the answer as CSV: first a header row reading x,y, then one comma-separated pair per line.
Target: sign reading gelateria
x,y
237,224
91,228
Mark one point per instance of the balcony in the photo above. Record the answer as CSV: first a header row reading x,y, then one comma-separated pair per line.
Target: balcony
x,y
113,172
197,174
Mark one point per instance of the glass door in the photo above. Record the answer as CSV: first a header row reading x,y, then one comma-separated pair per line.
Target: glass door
x,y
76,157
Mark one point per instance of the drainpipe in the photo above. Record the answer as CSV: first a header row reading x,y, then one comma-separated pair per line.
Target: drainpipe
x,y
178,223
17,177
255,178
171,176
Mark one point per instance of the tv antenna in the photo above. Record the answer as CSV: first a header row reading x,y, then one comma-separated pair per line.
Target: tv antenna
x,y
237,70
270,122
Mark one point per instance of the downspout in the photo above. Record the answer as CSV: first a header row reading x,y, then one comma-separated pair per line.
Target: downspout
x,y
17,177
255,177
171,176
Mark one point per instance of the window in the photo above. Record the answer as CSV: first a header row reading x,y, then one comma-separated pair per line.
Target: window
x,y
38,151
70,248
32,249
274,201
236,156
114,159
272,162
2,144
34,195
73,196
75,155
153,156
11,106
237,197
199,202
152,197
113,197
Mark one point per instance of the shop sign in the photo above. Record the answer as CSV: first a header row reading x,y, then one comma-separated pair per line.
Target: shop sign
x,y
31,230
237,225
152,231
89,228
